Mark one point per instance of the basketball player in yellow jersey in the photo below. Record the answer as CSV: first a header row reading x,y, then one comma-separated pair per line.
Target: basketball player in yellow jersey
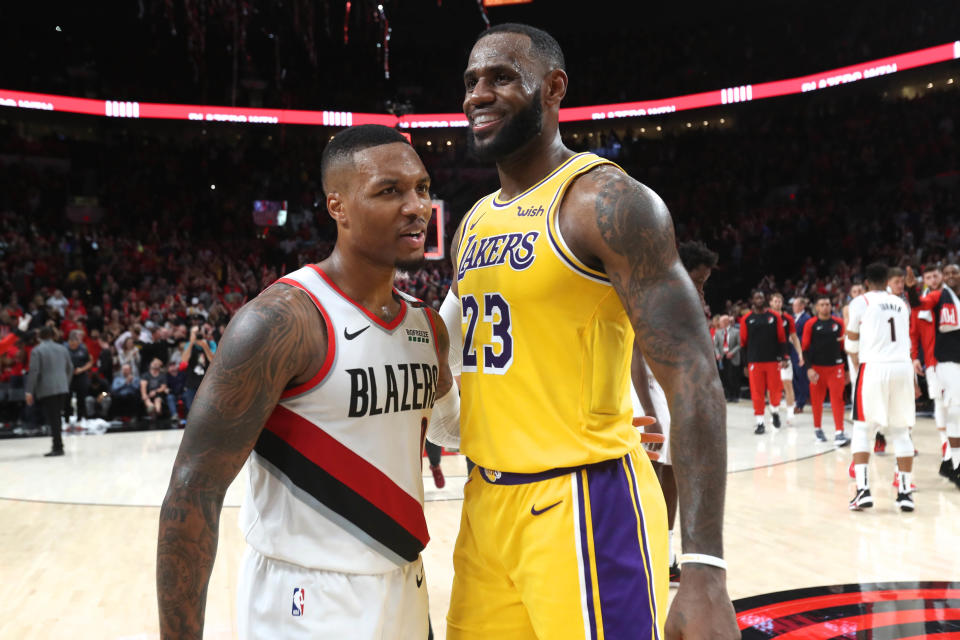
x,y
563,532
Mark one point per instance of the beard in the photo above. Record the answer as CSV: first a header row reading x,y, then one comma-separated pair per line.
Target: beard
x,y
516,132
410,265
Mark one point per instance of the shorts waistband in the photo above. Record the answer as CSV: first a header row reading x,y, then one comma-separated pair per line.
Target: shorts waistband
x,y
509,478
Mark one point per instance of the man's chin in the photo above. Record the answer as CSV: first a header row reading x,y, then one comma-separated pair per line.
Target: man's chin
x,y
411,264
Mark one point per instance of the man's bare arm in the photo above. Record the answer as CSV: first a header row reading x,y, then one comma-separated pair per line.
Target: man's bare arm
x,y
276,340
624,228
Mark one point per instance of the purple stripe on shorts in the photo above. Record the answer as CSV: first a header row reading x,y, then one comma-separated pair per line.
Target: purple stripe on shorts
x,y
625,593
585,554
646,545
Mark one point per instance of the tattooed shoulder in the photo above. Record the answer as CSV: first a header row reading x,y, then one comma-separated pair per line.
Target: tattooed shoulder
x,y
632,219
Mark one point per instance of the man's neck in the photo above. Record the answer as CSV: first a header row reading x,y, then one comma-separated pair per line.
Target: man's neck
x,y
530,164
369,285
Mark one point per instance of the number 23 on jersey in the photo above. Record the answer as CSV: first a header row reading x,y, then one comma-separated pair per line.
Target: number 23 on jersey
x,y
495,356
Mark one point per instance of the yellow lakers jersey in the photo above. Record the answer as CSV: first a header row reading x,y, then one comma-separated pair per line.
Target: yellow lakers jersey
x,y
547,343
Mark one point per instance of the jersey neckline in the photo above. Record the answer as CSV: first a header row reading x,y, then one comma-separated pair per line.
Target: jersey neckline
x,y
389,326
499,205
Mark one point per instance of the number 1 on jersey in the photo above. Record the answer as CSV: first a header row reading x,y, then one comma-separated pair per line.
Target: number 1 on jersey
x,y
893,330
496,312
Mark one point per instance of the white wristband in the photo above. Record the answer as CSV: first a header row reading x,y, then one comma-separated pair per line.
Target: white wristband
x,y
700,558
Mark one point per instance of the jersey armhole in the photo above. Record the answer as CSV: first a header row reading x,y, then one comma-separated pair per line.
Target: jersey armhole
x,y
557,243
321,375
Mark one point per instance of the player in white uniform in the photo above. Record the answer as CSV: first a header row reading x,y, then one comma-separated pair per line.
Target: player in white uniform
x,y
856,291
878,342
328,381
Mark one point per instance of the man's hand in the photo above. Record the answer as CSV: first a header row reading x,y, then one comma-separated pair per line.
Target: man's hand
x,y
918,368
910,279
29,398
702,608
800,360
784,363
813,376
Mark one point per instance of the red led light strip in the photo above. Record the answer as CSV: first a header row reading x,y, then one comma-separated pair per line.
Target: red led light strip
x,y
729,95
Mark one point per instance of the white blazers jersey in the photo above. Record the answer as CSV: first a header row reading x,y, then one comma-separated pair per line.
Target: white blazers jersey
x,y
883,322
334,479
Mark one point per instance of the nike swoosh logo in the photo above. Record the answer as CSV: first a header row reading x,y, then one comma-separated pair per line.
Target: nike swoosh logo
x,y
351,336
474,223
536,512
419,580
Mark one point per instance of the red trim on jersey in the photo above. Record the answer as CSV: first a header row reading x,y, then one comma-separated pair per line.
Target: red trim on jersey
x,y
858,398
354,471
433,328
331,346
393,324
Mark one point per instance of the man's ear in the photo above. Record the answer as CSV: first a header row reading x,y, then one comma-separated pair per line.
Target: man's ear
x,y
336,208
554,87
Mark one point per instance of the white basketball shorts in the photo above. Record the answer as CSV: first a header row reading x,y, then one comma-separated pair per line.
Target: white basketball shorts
x,y
884,394
659,399
948,377
281,601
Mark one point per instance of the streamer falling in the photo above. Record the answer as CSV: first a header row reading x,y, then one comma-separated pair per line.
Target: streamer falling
x,y
386,41
346,25
483,13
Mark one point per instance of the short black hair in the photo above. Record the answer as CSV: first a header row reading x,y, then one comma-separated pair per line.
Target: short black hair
x,y
694,254
347,142
542,45
822,296
45,333
876,273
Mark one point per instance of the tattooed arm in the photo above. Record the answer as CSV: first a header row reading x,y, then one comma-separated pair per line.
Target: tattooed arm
x,y
614,223
276,341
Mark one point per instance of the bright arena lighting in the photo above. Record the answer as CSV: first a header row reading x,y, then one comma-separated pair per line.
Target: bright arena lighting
x,y
728,95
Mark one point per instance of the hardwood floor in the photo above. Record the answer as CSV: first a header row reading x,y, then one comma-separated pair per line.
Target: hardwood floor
x,y
78,533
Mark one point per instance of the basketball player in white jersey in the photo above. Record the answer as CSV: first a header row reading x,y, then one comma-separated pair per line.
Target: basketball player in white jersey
x,y
878,341
324,384
856,290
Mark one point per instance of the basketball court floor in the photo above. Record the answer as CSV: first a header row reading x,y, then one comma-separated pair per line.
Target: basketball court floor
x,y
78,539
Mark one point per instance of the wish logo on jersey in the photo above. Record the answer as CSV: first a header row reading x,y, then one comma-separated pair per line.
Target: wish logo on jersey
x,y
399,387
298,598
496,250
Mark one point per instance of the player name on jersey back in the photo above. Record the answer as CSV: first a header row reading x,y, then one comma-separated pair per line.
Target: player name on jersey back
x,y
883,322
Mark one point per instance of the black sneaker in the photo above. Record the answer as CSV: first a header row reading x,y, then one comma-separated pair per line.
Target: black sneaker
x,y
863,500
776,420
905,501
946,469
675,574
54,453
840,439
821,437
760,429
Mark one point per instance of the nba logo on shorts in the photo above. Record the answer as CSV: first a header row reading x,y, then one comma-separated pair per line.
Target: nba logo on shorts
x,y
297,601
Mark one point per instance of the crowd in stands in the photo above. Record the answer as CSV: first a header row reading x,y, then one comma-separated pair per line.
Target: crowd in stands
x,y
795,197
